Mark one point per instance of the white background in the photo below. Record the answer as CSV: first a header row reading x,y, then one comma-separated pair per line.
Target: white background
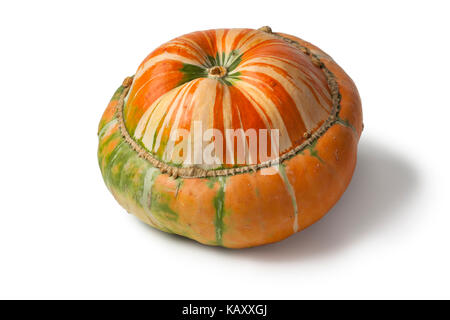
x,y
62,235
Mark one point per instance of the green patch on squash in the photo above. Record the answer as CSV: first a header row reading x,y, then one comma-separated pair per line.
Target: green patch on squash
x,y
230,61
313,151
160,206
179,183
219,205
191,72
345,123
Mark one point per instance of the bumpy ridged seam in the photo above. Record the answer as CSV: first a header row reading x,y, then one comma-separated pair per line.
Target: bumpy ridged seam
x,y
196,172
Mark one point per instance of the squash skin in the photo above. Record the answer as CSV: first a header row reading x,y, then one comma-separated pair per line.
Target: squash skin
x,y
243,210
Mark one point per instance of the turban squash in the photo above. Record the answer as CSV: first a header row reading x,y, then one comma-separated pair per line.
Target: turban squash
x,y
232,79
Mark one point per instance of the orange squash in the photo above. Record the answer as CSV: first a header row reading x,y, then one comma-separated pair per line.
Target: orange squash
x,y
242,85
